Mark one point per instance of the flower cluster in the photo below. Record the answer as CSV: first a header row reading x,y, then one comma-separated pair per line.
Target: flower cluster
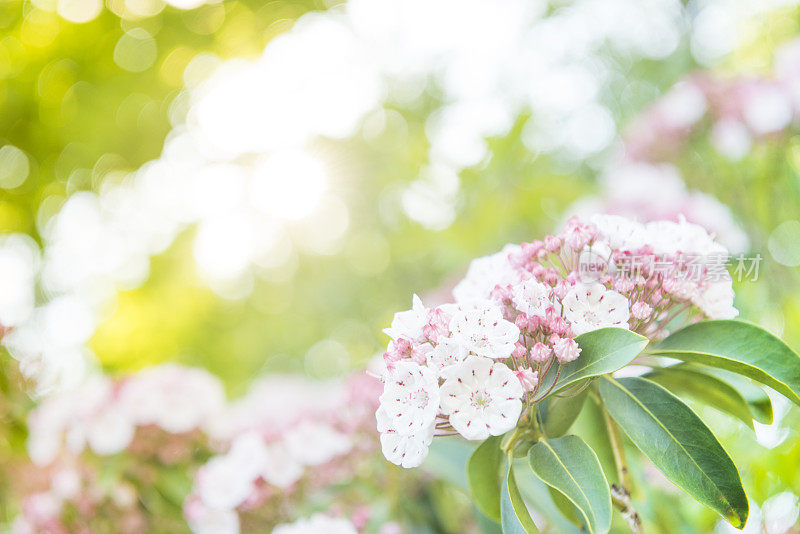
x,y
152,418
327,524
109,415
70,496
470,367
287,438
739,110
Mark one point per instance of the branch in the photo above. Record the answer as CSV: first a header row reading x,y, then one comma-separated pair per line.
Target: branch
x,y
620,494
622,501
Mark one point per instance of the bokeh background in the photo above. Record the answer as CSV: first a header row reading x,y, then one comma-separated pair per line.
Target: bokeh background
x,y
255,187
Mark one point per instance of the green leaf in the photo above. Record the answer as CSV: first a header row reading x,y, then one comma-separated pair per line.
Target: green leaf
x,y
758,400
678,443
570,466
537,493
561,412
741,347
592,428
602,351
708,389
565,507
515,518
483,474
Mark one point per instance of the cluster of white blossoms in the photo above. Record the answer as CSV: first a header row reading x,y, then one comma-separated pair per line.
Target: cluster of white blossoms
x,y
287,437
469,367
105,414
318,523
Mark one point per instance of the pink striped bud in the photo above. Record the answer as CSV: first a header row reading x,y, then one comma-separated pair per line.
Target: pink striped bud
x,y
540,353
528,378
641,310
566,350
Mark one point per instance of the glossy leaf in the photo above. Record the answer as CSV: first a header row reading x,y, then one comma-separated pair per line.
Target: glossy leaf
x,y
757,399
592,428
678,443
561,412
514,515
565,507
602,351
483,475
570,466
741,347
692,382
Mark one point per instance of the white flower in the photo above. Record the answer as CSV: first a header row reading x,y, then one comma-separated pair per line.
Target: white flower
x,y
226,481
317,524
222,484
316,443
280,468
410,397
110,431
531,297
446,353
621,233
409,324
173,397
204,519
406,451
484,274
591,306
716,300
484,332
667,237
482,398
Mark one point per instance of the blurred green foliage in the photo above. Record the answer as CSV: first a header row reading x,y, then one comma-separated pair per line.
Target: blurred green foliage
x,y
80,108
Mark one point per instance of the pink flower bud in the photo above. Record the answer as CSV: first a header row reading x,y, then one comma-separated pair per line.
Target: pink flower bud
x,y
552,243
534,322
540,353
578,236
551,277
501,294
528,378
623,284
438,325
537,270
522,322
558,325
519,350
641,310
561,289
402,346
419,353
390,357
566,350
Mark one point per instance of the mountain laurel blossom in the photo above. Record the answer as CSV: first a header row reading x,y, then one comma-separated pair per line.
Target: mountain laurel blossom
x,y
475,367
482,398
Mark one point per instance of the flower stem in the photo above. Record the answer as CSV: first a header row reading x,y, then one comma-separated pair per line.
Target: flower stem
x,y
620,493
618,450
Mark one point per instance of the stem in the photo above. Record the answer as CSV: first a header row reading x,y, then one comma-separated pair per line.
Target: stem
x,y
622,502
620,493
553,385
618,450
